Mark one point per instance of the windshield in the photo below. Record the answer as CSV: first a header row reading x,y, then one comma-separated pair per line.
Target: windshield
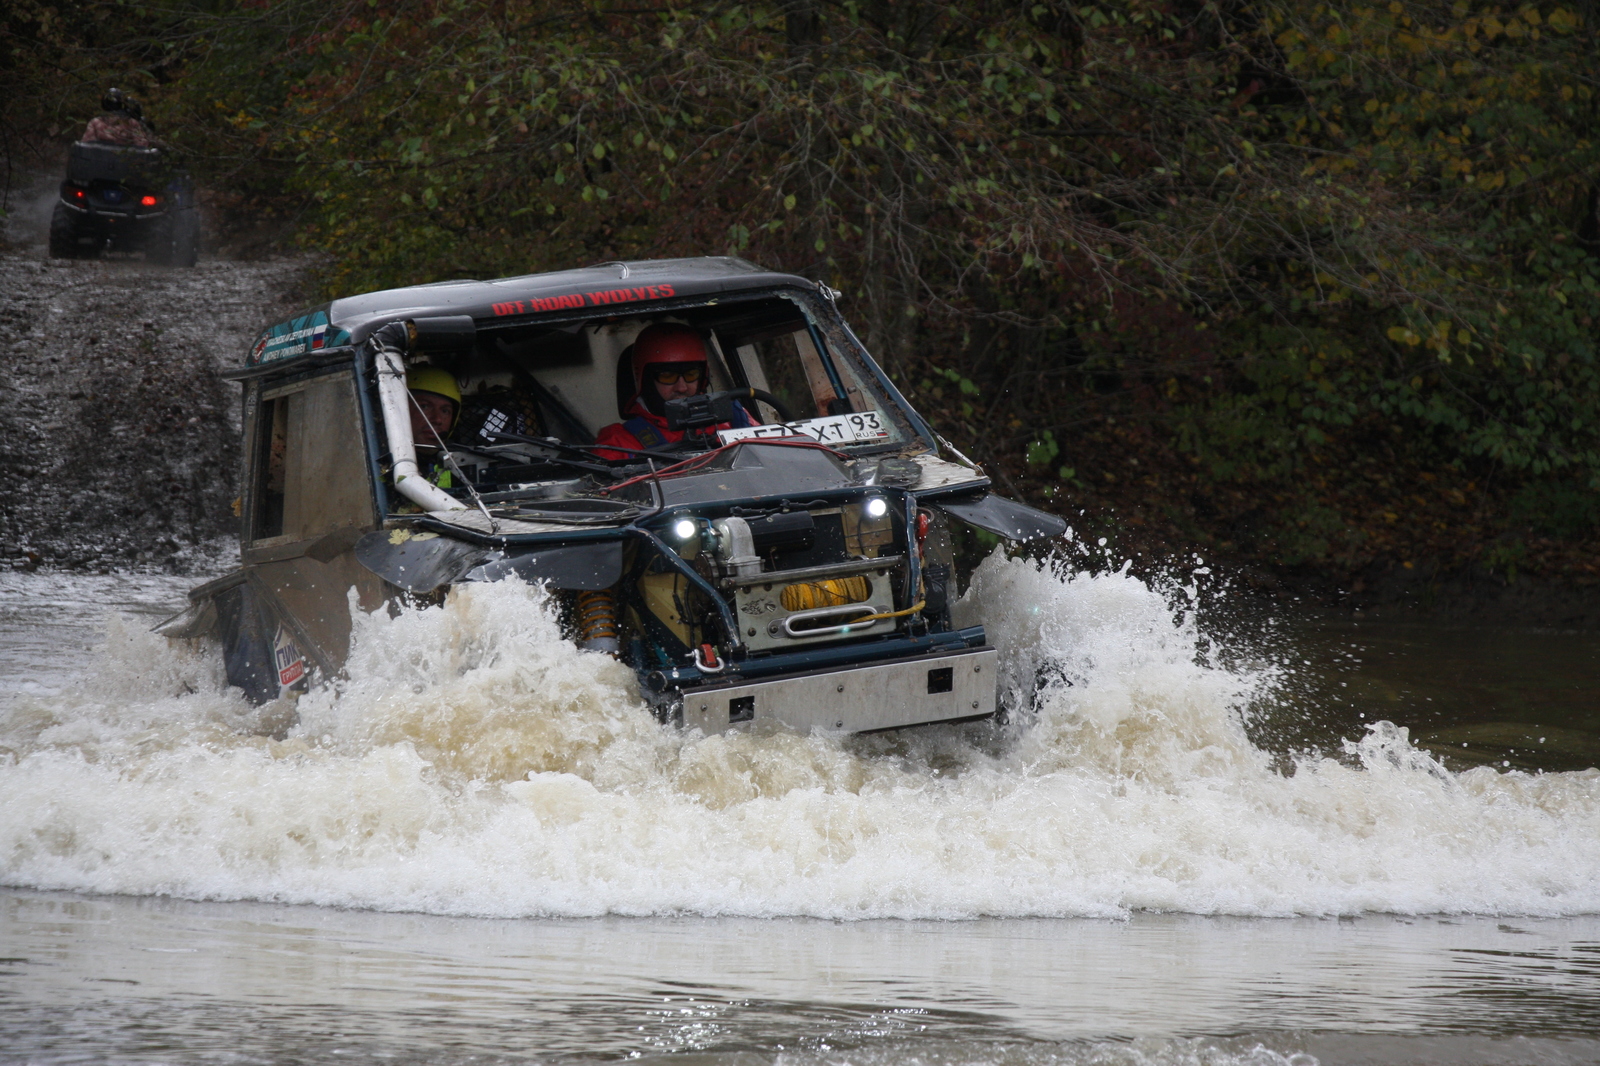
x,y
541,404
580,376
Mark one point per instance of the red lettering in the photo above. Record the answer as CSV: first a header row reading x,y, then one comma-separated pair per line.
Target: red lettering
x,y
576,300
618,296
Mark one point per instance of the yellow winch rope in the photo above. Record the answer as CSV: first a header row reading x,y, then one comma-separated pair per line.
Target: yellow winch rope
x,y
835,592
913,609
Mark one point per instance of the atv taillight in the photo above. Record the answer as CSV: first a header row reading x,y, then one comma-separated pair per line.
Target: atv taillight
x,y
147,201
79,193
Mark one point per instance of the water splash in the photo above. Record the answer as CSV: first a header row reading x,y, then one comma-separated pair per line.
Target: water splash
x,y
474,762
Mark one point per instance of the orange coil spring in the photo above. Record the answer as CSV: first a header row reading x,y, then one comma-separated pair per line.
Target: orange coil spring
x,y
597,615
834,592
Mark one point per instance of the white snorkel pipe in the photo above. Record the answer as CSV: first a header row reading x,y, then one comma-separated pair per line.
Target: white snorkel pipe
x,y
395,400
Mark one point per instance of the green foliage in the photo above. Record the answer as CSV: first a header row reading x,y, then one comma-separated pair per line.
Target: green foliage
x,y
1044,450
1288,237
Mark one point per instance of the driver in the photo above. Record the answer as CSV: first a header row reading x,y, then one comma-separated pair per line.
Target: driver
x,y
122,123
669,361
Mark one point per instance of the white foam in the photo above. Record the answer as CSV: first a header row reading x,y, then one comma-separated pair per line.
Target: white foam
x,y
476,763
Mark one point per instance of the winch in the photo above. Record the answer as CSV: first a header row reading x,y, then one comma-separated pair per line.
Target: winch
x,y
782,608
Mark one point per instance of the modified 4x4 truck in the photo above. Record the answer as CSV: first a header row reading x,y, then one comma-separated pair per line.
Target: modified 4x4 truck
x,y
789,559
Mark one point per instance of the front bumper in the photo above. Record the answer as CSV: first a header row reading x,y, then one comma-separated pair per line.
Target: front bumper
x,y
888,695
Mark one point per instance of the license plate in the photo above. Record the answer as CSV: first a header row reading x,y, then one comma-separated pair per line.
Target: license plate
x,y
834,429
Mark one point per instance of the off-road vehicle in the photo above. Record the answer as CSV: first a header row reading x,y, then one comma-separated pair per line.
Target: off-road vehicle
x,y
790,558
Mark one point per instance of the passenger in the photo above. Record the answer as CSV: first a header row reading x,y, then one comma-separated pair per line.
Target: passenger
x,y
669,361
122,123
435,404
436,401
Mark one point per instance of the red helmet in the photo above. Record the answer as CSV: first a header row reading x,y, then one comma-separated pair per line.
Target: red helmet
x,y
665,342
668,343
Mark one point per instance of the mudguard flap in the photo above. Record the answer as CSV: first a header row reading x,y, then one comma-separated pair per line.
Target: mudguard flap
x,y
417,562
580,567
247,633
1003,517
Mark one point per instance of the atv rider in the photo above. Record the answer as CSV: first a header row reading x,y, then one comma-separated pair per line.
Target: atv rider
x,y
122,123
669,361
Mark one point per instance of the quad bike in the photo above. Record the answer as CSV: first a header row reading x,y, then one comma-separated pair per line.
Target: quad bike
x,y
125,199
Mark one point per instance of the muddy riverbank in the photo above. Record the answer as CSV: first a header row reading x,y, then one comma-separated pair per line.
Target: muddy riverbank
x,y
118,437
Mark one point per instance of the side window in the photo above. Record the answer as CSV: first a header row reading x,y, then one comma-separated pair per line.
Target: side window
x,y
788,366
271,442
310,473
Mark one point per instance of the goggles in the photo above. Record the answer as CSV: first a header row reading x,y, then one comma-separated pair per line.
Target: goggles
x,y
670,375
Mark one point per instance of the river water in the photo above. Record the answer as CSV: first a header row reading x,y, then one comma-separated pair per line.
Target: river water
x,y
1344,842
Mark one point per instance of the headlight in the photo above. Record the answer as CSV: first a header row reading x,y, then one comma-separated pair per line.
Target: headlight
x,y
684,528
877,507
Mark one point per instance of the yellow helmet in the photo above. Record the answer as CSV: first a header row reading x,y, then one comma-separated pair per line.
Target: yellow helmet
x,y
432,379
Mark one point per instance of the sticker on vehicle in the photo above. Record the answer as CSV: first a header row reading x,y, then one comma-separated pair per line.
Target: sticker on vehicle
x,y
308,333
290,663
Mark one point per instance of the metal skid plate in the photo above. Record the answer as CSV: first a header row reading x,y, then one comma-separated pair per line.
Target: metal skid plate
x,y
932,688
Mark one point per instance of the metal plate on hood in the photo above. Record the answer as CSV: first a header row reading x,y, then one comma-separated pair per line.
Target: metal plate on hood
x,y
578,567
421,562
417,562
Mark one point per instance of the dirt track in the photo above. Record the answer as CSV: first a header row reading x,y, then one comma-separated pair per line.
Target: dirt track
x,y
117,439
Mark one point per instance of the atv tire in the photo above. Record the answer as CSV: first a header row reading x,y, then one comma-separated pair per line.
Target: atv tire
x,y
64,234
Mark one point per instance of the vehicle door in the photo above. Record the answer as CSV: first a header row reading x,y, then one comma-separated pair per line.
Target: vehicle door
x,y
310,497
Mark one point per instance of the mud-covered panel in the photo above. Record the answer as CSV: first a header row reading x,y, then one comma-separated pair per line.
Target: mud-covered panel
x,y
316,594
326,481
